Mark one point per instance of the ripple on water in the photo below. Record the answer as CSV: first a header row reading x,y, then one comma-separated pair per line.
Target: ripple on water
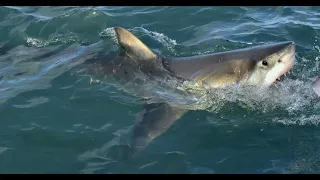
x,y
4,149
33,102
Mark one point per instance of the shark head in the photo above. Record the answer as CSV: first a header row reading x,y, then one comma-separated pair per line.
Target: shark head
x,y
257,65
271,61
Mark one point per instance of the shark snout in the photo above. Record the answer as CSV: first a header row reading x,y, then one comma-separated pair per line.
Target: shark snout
x,y
290,43
291,47
288,47
289,55
284,63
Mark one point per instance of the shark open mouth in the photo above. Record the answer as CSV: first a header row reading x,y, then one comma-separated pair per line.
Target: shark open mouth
x,y
281,78
279,72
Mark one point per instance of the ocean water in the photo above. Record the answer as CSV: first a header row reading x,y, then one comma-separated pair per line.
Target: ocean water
x,y
56,119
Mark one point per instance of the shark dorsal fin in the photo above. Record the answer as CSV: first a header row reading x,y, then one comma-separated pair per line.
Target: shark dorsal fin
x,y
133,47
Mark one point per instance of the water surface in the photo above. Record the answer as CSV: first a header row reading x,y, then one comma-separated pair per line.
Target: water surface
x,y
54,119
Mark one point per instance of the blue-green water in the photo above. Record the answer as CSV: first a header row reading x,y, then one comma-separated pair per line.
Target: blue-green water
x,y
54,119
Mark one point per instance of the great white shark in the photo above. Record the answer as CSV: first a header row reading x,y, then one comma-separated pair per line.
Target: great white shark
x,y
137,64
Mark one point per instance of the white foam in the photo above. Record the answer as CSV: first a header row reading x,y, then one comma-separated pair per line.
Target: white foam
x,y
109,32
36,42
161,38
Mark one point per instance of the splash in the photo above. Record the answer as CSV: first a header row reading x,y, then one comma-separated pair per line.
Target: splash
x,y
291,98
160,37
35,42
109,32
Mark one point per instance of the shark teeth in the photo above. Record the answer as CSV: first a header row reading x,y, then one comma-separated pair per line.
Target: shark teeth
x,y
279,78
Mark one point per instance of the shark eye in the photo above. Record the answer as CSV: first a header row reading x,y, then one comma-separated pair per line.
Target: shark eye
x,y
279,61
265,63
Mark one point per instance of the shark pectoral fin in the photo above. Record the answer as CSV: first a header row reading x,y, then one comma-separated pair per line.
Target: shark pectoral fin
x,y
316,85
154,120
133,47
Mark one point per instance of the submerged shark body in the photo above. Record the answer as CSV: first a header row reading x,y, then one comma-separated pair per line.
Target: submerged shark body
x,y
137,66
